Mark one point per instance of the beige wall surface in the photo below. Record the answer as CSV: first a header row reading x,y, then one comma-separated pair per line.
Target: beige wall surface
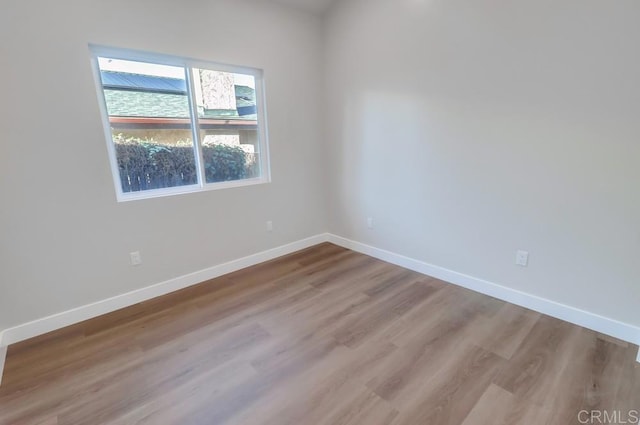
x,y
65,239
471,129
466,129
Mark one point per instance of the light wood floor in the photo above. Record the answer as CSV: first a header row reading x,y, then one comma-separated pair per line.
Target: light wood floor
x,y
325,336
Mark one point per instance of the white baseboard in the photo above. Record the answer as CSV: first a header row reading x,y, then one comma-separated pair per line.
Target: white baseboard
x,y
605,325
3,356
570,314
89,311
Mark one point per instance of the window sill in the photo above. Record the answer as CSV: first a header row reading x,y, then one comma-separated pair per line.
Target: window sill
x,y
182,190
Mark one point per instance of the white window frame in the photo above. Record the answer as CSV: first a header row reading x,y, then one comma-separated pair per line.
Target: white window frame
x,y
187,63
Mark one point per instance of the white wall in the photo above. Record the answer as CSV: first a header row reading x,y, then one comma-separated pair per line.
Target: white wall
x,y
467,129
470,129
65,241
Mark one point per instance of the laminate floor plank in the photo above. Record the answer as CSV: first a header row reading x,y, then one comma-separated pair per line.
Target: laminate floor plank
x,y
324,336
448,394
505,331
492,408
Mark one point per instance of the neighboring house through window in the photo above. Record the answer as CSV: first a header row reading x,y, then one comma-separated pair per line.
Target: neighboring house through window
x,y
176,125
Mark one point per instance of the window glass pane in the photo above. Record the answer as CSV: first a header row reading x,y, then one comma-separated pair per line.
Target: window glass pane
x,y
227,113
150,121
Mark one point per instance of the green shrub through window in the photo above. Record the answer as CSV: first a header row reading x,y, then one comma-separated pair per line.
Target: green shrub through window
x,y
175,123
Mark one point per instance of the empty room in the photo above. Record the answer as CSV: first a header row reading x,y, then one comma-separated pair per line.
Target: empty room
x,y
320,212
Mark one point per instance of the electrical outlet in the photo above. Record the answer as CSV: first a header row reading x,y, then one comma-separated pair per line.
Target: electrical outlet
x,y
370,222
269,226
136,258
522,258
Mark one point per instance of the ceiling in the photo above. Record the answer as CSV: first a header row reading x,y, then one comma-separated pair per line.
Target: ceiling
x,y
314,6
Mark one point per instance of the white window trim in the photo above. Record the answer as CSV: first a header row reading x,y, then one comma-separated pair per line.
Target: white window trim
x,y
187,63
